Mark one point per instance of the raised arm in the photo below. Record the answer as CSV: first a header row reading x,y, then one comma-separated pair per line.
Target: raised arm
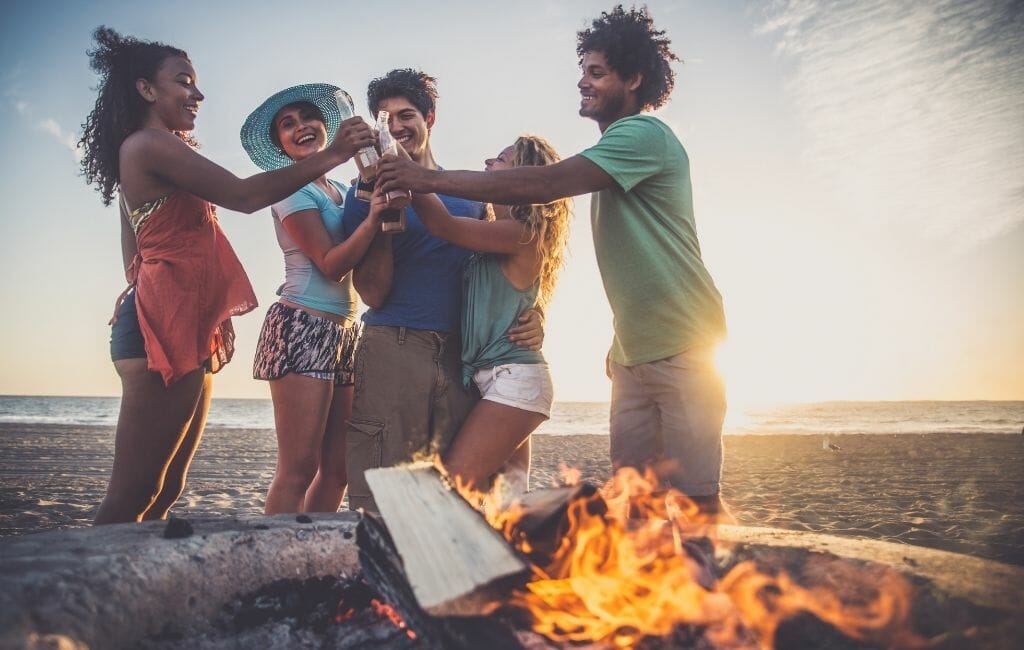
x,y
503,236
161,155
306,228
373,275
519,186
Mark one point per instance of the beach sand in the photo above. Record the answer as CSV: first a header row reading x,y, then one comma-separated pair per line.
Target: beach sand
x,y
954,492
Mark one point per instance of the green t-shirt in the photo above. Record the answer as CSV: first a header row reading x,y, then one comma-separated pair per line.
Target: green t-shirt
x,y
662,297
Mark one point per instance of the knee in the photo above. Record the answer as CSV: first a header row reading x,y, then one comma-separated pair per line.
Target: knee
x,y
136,498
296,476
466,475
333,474
171,490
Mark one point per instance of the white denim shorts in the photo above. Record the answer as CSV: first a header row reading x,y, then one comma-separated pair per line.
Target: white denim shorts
x,y
525,386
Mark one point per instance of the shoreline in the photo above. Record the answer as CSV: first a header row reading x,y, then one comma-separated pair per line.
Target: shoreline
x,y
930,490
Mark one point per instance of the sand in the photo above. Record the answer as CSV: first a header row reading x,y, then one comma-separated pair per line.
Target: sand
x,y
953,492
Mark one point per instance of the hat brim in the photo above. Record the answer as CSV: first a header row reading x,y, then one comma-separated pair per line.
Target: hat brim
x,y
255,133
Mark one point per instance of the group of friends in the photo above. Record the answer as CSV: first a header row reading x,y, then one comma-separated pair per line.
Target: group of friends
x,y
446,359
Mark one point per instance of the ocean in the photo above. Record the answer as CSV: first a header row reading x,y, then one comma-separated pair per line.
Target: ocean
x,y
592,417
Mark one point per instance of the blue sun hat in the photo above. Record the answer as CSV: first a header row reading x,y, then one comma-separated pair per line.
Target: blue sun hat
x,y
255,132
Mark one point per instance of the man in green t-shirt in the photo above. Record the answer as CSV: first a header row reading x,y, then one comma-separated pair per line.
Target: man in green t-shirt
x,y
668,401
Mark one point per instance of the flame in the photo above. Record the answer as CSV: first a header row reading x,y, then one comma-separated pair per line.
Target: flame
x,y
389,612
628,565
359,596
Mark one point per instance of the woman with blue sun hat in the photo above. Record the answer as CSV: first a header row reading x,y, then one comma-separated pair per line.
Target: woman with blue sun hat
x,y
307,344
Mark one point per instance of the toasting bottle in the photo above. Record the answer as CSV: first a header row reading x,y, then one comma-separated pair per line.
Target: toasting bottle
x,y
393,219
366,158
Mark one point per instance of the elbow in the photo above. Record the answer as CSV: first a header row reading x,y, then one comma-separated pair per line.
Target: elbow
x,y
371,299
243,202
248,206
332,274
371,296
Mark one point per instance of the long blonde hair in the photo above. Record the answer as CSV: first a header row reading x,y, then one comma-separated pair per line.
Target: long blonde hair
x,y
549,222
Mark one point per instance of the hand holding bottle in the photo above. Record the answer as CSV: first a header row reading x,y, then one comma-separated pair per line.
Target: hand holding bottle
x,y
397,199
366,157
353,135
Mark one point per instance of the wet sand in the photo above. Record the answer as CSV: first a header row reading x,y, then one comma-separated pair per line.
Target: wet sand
x,y
953,492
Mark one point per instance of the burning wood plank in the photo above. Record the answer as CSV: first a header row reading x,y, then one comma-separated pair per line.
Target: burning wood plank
x,y
455,563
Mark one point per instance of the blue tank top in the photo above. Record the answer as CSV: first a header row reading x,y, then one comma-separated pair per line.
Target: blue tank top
x,y
491,305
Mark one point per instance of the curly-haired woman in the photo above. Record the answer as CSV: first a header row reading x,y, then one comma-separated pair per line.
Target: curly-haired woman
x,y
171,328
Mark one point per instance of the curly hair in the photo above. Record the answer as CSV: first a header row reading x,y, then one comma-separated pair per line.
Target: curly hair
x,y
120,110
548,222
633,46
416,86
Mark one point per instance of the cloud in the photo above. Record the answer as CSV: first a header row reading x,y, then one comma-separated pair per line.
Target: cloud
x,y
914,110
68,139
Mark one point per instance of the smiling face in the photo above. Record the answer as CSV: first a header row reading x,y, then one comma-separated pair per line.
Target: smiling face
x,y
172,94
299,130
605,96
408,126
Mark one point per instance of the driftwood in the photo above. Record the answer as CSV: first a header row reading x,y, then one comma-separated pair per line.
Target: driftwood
x,y
456,564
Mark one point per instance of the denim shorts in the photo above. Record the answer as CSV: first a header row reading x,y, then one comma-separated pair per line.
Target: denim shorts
x,y
125,336
525,386
293,340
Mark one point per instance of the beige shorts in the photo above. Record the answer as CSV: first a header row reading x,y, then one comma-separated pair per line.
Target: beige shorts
x,y
525,386
668,415
409,401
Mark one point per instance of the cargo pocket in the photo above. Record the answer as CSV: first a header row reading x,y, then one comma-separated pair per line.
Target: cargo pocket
x,y
364,446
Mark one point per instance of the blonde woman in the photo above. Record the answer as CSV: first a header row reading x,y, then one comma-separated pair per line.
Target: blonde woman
x,y
519,254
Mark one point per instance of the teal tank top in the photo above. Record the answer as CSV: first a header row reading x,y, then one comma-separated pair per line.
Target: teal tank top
x,y
491,305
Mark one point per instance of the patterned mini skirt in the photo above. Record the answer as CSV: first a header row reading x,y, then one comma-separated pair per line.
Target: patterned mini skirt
x,y
293,340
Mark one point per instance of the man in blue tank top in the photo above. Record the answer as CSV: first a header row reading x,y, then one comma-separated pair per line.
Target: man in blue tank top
x,y
409,395
668,401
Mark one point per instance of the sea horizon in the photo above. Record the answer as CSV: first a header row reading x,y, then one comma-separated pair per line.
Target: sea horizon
x,y
830,417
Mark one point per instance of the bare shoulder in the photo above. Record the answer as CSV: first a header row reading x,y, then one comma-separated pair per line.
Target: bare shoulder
x,y
145,158
145,141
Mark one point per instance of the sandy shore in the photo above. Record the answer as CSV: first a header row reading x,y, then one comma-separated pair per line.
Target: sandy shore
x,y
953,492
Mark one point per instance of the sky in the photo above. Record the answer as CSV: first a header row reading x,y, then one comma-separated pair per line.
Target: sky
x,y
858,173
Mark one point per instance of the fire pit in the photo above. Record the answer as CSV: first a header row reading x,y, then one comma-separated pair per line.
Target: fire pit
x,y
279,582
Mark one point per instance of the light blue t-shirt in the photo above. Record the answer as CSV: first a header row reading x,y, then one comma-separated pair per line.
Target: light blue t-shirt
x,y
426,287
304,284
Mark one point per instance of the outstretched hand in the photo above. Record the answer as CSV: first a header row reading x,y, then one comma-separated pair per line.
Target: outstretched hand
x,y
353,135
401,173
